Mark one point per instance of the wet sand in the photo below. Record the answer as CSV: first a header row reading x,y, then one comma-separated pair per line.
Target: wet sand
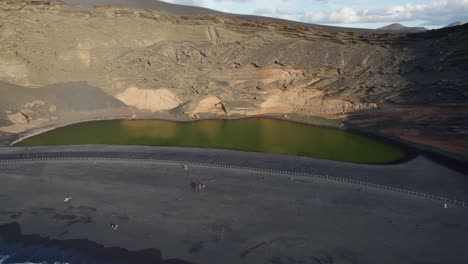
x,y
243,216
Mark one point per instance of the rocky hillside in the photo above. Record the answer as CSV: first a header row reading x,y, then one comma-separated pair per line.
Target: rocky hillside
x,y
149,61
456,24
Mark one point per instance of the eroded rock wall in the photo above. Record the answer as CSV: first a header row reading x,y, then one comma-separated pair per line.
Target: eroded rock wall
x,y
153,61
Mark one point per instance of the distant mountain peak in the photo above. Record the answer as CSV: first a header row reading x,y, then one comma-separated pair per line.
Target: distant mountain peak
x,y
394,26
400,27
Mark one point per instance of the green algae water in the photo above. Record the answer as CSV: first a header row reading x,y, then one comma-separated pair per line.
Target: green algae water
x,y
256,134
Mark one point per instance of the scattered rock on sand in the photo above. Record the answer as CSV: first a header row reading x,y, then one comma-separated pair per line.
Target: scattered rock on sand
x,y
34,104
18,118
52,108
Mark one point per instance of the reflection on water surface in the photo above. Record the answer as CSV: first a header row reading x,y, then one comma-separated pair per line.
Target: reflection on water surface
x,y
257,134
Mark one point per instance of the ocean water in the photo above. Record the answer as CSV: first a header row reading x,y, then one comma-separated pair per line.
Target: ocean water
x,y
23,254
37,254
16,248
42,253
5,260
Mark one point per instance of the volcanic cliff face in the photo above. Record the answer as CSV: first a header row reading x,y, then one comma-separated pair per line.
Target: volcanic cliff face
x,y
148,60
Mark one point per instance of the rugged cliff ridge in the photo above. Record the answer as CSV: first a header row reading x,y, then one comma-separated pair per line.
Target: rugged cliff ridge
x,y
150,61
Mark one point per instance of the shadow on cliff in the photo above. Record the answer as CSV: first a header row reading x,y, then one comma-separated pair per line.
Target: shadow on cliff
x,y
439,74
436,78
33,248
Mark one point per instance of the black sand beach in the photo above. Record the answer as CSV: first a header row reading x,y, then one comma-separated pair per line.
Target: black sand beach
x,y
244,215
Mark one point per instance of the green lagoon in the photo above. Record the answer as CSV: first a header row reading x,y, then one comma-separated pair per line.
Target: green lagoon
x,y
256,134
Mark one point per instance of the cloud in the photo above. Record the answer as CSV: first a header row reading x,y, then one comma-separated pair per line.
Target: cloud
x,y
236,1
200,2
430,12
264,11
435,13
278,13
186,2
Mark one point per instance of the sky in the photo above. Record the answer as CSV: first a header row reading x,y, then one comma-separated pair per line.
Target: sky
x,y
347,13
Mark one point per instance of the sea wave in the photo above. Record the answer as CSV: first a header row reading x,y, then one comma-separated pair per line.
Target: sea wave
x,y
25,254
4,260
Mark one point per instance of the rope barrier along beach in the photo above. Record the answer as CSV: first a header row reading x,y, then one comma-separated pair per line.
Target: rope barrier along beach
x,y
28,158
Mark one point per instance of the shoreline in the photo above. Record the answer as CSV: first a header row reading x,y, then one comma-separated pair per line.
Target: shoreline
x,y
449,160
410,153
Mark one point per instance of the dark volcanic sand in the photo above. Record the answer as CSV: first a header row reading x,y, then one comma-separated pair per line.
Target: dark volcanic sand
x,y
6,139
242,216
